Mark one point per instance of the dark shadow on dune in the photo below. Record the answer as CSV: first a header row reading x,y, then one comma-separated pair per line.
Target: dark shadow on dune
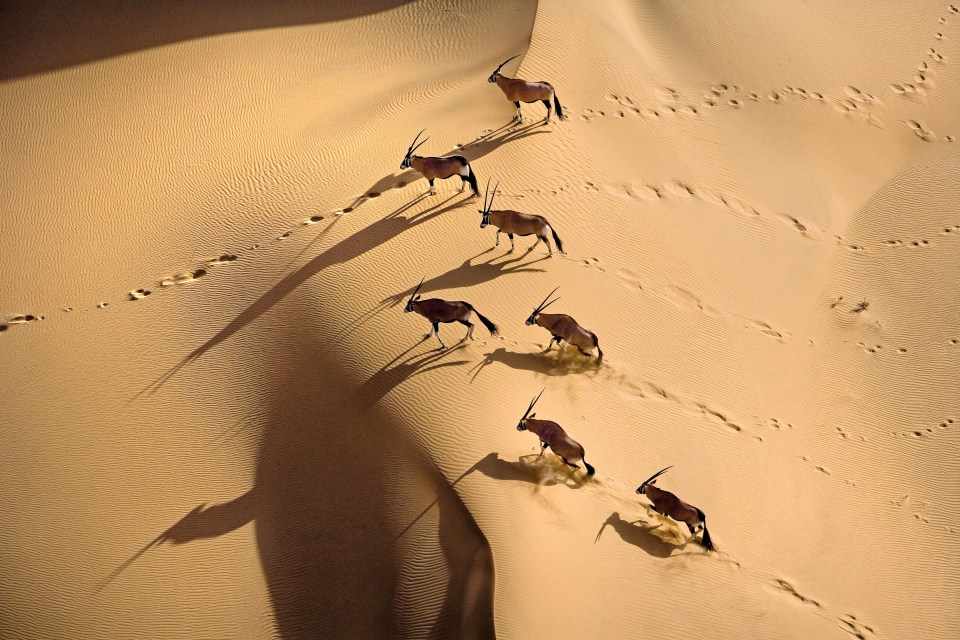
x,y
480,147
397,371
201,522
467,610
325,476
353,246
641,536
553,363
469,274
44,35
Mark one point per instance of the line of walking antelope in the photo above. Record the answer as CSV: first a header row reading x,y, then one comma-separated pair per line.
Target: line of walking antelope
x,y
562,327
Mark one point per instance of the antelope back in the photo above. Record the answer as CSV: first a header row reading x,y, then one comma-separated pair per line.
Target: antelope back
x,y
436,167
522,224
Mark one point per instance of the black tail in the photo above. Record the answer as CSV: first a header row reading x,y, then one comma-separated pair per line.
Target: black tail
x,y
597,345
556,105
556,239
590,469
471,177
705,541
492,328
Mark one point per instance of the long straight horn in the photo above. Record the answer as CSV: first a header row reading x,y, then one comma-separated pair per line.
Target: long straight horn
x,y
413,295
492,195
544,303
651,478
411,148
549,303
485,193
503,63
420,145
530,408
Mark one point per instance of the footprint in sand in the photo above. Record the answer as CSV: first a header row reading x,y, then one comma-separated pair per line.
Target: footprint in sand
x,y
784,586
686,299
19,319
666,95
766,329
224,259
139,294
312,220
921,130
849,623
183,278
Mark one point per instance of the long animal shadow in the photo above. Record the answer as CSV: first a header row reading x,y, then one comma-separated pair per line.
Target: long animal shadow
x,y
562,362
475,150
397,371
353,246
469,274
544,471
642,536
199,523
320,512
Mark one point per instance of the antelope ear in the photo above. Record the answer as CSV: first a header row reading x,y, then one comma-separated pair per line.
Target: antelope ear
x,y
532,415
418,296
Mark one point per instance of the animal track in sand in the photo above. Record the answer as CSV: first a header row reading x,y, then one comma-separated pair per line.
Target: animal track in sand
x,y
782,585
849,436
651,391
139,294
775,424
19,319
312,220
679,189
223,259
927,431
922,81
849,623
920,130
686,299
183,278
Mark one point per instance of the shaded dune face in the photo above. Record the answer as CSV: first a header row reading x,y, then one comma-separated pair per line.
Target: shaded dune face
x,y
36,37
335,493
358,534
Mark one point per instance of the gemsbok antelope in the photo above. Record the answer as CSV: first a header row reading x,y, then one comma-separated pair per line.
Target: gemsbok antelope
x,y
552,435
518,91
445,167
563,327
515,223
436,311
668,504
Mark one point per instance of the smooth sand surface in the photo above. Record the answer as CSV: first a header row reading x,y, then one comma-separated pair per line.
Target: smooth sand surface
x,y
217,422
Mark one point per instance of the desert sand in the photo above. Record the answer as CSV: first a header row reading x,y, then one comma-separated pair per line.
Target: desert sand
x,y
217,422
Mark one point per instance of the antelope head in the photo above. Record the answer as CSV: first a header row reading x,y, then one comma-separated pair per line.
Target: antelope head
x,y
520,425
413,298
485,213
411,149
493,76
650,481
540,307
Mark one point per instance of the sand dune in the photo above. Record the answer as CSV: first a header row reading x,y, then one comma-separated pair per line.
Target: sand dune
x,y
219,423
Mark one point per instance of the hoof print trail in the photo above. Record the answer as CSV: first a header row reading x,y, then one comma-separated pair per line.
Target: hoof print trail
x,y
183,278
786,587
139,294
224,259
